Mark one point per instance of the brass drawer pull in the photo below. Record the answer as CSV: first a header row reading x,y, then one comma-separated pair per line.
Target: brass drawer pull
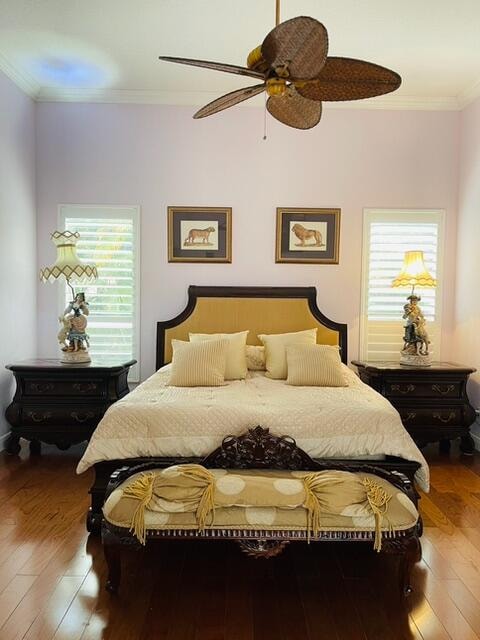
x,y
82,417
448,388
411,415
449,418
39,417
403,389
84,387
40,387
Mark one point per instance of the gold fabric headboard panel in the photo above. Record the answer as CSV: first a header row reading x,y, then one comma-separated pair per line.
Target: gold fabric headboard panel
x,y
258,309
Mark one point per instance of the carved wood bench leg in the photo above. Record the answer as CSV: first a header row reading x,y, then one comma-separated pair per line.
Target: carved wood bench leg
x,y
409,551
113,559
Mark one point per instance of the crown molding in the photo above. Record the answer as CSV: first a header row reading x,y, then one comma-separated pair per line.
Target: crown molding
x,y
469,95
400,103
119,96
193,99
23,81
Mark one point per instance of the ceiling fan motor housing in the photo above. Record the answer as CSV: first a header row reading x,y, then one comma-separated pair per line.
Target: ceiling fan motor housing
x,y
256,61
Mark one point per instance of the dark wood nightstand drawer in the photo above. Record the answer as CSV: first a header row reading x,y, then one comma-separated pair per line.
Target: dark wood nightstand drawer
x,y
414,389
35,416
64,388
435,416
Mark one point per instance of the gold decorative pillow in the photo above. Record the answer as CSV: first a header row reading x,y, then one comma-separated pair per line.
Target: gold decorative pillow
x,y
198,364
236,367
314,365
255,357
275,344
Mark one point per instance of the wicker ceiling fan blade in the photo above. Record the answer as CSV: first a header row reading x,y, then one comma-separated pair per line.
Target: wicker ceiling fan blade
x,y
216,66
229,100
301,44
294,110
349,79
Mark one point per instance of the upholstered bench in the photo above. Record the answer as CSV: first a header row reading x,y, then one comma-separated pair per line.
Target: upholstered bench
x,y
262,509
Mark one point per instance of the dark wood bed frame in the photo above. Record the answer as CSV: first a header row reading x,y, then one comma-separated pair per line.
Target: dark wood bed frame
x,y
103,470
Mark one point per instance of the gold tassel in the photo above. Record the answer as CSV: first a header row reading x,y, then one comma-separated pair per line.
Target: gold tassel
x,y
141,489
312,506
206,504
378,500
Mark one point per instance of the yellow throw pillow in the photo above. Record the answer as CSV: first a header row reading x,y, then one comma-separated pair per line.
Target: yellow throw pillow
x,y
275,345
315,365
236,367
198,364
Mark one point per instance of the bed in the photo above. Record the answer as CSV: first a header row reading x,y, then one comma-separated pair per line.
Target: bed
x,y
165,425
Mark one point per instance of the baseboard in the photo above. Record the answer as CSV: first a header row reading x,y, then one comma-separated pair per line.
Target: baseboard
x,y
3,440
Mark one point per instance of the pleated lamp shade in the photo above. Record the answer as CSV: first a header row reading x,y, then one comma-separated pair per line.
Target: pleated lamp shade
x,y
68,264
414,273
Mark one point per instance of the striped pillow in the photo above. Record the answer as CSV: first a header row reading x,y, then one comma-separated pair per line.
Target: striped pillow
x,y
198,364
236,367
275,344
314,365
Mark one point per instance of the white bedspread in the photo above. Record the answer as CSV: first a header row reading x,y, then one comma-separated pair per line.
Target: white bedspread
x,y
156,420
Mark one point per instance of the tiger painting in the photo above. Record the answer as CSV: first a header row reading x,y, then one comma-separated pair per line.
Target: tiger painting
x,y
198,236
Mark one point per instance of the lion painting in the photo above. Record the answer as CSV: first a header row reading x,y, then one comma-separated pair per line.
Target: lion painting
x,y
304,234
199,236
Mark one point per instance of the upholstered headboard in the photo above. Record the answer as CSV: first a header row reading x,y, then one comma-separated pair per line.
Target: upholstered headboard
x,y
259,309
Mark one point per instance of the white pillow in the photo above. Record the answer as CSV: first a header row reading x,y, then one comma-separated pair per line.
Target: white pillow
x,y
198,365
275,345
314,365
236,367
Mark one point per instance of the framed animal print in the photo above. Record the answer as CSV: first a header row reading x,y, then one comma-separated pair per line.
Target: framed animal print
x,y
199,234
308,235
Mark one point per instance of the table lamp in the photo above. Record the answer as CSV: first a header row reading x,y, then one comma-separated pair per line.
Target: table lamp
x,y
72,337
415,351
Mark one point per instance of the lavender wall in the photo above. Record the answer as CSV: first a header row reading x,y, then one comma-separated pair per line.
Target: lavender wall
x,y
18,262
156,156
467,303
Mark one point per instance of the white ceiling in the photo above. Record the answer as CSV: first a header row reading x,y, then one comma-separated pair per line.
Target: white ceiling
x,y
107,50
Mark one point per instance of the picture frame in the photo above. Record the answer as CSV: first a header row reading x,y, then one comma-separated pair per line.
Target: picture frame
x,y
308,235
199,234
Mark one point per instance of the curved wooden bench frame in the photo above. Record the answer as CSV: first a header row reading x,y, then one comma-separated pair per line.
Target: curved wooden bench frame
x,y
259,449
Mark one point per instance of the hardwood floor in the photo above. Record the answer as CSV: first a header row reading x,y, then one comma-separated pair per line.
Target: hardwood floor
x,y
52,574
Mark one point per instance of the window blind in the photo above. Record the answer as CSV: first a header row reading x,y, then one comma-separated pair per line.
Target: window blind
x,y
108,237
387,236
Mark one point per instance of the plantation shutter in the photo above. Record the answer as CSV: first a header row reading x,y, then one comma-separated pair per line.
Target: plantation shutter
x,y
387,236
109,238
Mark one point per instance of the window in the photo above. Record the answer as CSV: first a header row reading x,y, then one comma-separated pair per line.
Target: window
x,y
387,234
109,237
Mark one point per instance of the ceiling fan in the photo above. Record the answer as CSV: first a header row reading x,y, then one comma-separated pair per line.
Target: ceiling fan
x,y
297,74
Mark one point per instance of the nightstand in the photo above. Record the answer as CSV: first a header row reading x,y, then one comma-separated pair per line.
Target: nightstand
x,y
62,404
432,401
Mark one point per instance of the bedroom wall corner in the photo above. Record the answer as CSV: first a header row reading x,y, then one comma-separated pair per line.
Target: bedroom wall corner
x,y
18,237
467,299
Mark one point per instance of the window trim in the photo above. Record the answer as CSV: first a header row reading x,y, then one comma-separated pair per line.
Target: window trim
x,y
112,211
373,214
